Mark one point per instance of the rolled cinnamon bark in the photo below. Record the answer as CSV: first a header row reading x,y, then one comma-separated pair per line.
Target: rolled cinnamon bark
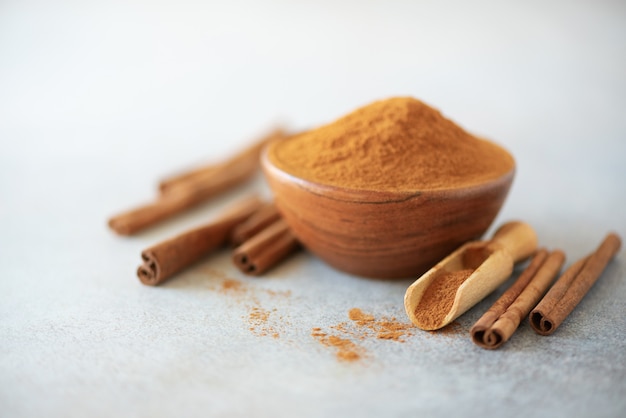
x,y
555,293
499,307
260,220
246,162
163,260
506,324
183,192
180,198
267,248
572,286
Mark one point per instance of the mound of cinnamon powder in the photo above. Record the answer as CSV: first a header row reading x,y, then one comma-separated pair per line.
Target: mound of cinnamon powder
x,y
399,144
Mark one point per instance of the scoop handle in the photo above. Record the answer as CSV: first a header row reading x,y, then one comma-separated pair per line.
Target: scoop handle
x,y
517,238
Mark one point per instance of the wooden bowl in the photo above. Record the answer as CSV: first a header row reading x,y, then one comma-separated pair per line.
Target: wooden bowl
x,y
383,234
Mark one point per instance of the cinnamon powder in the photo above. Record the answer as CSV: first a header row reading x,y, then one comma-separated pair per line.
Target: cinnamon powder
x,y
343,337
359,317
384,329
261,321
258,319
399,144
438,298
346,349
232,284
344,334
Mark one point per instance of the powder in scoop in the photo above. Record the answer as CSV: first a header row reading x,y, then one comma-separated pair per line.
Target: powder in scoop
x,y
438,298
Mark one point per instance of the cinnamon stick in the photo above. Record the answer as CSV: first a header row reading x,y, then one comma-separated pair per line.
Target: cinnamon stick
x,y
260,220
499,307
267,248
185,191
572,286
163,260
502,320
176,201
246,162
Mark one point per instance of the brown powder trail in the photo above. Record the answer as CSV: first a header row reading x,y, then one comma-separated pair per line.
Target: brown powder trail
x,y
259,316
278,293
268,323
361,327
223,283
346,350
384,329
261,321
258,319
232,284
359,317
392,330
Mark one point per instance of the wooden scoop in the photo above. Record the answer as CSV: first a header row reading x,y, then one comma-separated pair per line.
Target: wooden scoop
x,y
492,263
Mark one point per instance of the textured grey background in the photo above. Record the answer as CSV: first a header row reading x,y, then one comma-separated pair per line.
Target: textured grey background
x,y
100,99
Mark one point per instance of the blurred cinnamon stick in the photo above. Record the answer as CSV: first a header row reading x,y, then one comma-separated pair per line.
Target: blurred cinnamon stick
x,y
163,260
572,286
245,162
185,191
260,220
265,249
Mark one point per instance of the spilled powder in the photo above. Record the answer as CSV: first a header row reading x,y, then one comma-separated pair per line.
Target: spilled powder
x,y
384,329
439,298
232,284
347,339
278,293
346,350
362,326
258,319
222,283
261,321
359,317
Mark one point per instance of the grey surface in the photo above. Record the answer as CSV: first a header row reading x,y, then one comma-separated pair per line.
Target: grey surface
x,y
98,100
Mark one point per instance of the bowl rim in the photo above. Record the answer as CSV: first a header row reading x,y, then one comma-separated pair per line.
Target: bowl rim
x,y
372,196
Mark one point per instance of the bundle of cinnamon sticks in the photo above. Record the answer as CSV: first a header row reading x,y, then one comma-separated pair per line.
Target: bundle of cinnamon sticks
x,y
525,298
255,229
265,241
